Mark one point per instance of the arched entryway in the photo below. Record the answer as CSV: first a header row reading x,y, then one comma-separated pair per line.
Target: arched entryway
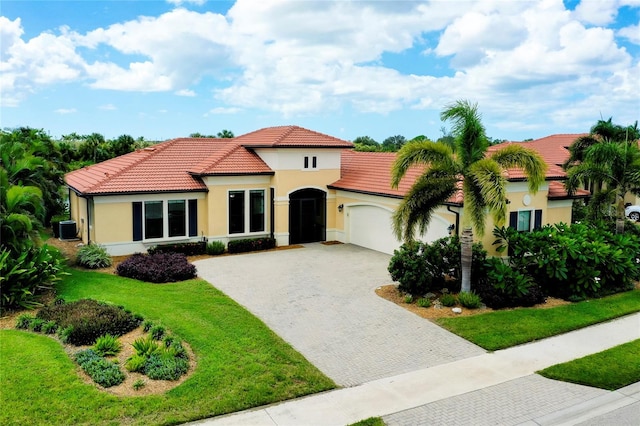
x,y
307,216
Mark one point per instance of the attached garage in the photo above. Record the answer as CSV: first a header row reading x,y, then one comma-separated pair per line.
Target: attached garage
x,y
370,226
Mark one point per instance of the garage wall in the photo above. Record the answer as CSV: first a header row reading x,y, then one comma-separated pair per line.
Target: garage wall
x,y
366,220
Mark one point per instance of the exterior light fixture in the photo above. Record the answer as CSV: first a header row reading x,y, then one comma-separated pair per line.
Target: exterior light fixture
x,y
340,208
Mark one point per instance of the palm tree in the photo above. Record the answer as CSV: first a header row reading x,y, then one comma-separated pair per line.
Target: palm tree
x,y
21,213
481,179
602,138
616,166
225,134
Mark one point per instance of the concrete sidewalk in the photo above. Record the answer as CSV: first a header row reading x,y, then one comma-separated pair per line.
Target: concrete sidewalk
x,y
416,389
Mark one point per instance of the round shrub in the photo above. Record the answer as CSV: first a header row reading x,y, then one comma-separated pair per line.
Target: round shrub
x,y
83,321
93,256
101,371
159,367
215,248
469,300
157,268
448,300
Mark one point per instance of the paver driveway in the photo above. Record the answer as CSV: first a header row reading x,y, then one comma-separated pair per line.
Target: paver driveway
x,y
321,299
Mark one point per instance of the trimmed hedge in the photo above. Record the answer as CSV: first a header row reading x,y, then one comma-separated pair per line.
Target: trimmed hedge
x,y
188,249
83,321
157,268
251,244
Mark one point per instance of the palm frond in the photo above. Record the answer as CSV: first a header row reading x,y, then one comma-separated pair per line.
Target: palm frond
x,y
517,156
467,128
416,153
487,176
473,210
430,191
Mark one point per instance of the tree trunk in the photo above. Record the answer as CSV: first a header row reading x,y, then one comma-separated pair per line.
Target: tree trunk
x,y
620,219
466,253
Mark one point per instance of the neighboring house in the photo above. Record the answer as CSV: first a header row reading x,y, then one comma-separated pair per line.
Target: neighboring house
x,y
287,182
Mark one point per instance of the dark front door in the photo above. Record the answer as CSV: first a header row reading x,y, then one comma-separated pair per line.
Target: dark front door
x,y
307,216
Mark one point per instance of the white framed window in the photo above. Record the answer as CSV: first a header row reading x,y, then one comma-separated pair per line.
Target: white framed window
x,y
246,211
310,162
524,220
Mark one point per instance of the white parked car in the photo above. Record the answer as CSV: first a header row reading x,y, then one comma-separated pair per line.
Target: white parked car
x,y
632,212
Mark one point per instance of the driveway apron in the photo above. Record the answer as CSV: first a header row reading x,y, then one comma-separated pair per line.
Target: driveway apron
x,y
321,299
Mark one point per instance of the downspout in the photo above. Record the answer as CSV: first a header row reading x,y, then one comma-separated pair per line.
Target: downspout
x,y
88,223
272,211
457,218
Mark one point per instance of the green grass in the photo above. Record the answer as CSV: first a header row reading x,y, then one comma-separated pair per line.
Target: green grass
x,y
611,369
240,362
503,329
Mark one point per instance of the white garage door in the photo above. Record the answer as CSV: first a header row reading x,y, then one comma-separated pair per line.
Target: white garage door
x,y
370,227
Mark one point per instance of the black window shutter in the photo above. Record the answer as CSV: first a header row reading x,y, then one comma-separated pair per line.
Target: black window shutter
x,y
137,221
537,221
513,220
193,218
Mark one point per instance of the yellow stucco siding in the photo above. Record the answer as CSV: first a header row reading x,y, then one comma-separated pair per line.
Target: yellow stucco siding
x,y
287,181
78,212
112,222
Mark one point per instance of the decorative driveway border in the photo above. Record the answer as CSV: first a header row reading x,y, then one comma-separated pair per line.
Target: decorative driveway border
x,y
321,299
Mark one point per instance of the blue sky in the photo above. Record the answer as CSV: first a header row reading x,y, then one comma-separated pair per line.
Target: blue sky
x,y
165,69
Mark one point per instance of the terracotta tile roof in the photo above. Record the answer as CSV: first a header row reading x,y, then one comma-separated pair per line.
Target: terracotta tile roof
x,y
558,192
370,173
290,137
236,160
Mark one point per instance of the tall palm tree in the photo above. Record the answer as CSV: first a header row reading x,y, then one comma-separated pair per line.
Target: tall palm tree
x,y
480,177
616,165
600,141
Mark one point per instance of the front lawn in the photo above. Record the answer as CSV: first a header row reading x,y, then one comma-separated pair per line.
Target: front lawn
x,y
240,362
503,329
611,369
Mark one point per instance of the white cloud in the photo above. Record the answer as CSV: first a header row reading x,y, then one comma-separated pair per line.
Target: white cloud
x,y
223,110
186,92
180,2
517,59
632,33
597,12
64,111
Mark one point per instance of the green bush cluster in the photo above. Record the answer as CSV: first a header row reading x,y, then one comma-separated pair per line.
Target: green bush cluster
x,y
93,256
188,249
159,361
420,268
26,274
215,248
107,345
102,371
251,244
572,261
157,267
83,321
448,300
38,325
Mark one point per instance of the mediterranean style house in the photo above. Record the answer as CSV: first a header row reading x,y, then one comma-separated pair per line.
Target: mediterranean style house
x,y
290,183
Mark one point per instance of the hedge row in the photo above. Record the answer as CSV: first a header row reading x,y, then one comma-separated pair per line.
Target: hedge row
x,y
251,244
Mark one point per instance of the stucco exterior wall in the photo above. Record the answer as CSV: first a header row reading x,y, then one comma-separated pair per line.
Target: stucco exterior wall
x,y
78,212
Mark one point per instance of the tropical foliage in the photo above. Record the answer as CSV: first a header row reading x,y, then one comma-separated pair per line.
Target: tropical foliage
x,y
481,178
607,162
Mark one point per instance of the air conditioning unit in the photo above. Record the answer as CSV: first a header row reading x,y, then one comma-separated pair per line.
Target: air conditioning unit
x,y
68,230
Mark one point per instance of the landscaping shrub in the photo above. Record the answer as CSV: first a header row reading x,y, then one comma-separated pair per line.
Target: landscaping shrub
x,y
158,362
420,268
24,321
50,327
448,300
107,345
508,286
469,300
24,275
157,268
93,256
83,321
215,248
101,371
574,262
423,303
157,332
188,249
251,244
159,367
36,325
